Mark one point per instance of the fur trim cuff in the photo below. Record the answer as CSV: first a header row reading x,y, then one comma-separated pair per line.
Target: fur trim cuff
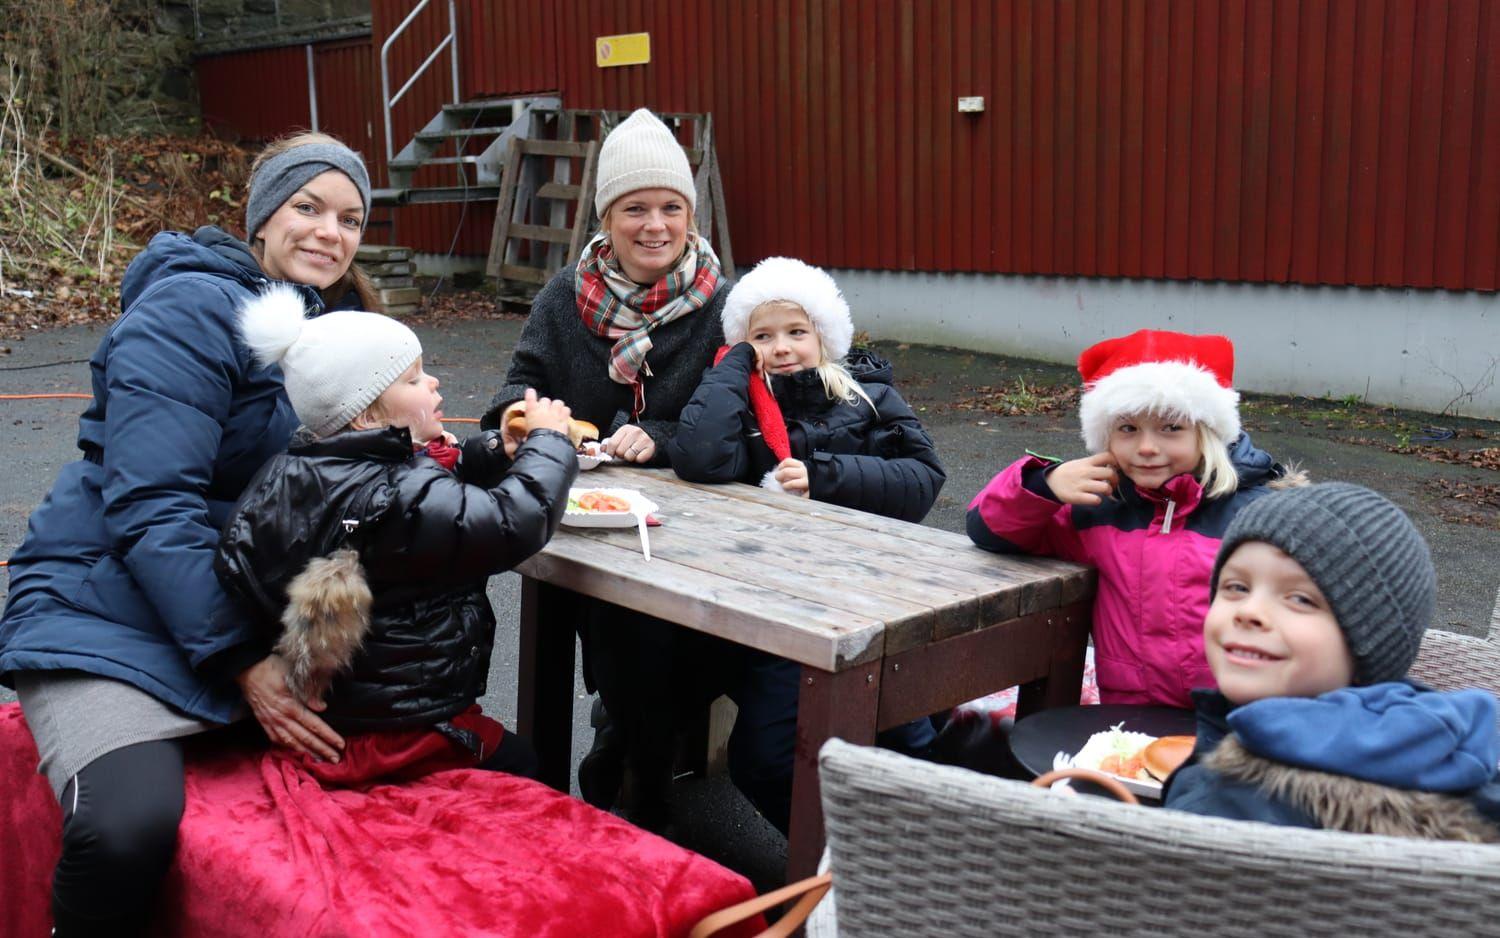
x,y
1180,389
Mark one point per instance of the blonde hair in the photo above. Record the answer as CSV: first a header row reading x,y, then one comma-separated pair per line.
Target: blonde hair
x,y
354,280
838,383
1216,472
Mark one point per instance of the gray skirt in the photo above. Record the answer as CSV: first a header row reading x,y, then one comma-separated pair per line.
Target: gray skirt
x,y
77,717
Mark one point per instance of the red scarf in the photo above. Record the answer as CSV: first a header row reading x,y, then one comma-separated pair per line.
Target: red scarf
x,y
767,413
438,449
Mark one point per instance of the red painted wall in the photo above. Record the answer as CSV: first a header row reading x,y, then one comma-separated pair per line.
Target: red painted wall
x,y
256,95
1347,142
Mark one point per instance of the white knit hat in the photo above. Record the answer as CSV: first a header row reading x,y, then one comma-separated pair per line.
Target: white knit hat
x,y
790,280
641,153
335,365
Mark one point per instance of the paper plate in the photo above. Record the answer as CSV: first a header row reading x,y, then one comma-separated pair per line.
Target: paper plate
x,y
594,460
608,519
1114,739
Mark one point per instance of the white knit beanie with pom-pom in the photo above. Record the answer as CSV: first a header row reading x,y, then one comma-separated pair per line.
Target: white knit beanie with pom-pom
x,y
335,365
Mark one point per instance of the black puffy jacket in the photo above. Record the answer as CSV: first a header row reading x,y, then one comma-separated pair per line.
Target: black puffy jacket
x,y
880,460
427,540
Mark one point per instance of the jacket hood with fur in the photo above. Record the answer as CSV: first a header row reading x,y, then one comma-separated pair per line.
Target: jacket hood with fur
x,y
1224,778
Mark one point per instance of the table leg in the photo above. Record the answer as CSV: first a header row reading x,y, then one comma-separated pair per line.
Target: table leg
x,y
843,705
544,690
1064,678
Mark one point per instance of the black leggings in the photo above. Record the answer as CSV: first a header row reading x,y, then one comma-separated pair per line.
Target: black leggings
x,y
120,817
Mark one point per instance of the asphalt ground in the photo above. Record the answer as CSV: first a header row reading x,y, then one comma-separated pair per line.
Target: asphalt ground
x,y
471,356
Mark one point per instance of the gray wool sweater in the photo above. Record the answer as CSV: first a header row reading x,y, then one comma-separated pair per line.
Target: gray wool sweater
x,y
561,358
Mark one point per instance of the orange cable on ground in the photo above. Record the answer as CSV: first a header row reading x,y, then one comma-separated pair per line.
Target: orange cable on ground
x,y
34,397
89,397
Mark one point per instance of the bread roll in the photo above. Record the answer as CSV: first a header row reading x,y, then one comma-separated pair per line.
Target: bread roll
x,y
1164,756
578,430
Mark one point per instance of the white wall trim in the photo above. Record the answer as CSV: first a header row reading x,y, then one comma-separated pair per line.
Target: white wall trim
x,y
1417,349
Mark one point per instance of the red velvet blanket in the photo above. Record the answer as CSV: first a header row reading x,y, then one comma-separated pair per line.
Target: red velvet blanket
x,y
265,848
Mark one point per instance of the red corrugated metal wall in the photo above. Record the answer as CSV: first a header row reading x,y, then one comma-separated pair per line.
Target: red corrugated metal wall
x,y
1310,141
525,57
256,95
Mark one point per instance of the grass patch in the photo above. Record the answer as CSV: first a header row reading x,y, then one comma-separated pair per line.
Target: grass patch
x,y
1019,398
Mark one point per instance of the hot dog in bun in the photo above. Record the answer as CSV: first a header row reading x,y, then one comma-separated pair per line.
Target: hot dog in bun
x,y
579,431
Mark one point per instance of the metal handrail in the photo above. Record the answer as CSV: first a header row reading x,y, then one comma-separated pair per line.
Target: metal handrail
x,y
449,42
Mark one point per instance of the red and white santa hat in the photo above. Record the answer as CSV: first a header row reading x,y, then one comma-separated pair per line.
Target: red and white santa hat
x,y
1163,373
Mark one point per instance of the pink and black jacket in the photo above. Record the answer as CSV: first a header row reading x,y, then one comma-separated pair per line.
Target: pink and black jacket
x,y
1154,551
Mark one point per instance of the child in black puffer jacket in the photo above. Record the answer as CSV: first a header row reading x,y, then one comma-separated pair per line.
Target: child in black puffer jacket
x,y
788,405
363,551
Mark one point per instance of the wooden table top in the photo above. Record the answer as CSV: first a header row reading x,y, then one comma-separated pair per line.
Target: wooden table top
x,y
822,585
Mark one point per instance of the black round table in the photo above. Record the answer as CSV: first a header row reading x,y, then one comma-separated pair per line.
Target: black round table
x,y
1037,739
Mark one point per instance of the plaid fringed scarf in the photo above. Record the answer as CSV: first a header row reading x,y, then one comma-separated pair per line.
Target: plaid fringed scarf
x,y
615,307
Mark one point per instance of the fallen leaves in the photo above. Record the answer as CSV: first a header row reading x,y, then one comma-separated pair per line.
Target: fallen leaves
x,y
461,305
1470,503
61,259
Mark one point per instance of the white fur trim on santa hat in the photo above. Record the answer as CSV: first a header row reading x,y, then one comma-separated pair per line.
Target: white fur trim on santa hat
x,y
791,280
768,482
1180,389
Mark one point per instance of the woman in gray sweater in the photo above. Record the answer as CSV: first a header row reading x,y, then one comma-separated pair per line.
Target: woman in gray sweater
x,y
624,337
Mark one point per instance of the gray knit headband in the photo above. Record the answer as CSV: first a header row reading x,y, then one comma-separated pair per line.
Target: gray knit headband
x,y
285,173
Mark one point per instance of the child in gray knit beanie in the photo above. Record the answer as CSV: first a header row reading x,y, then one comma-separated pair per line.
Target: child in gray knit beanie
x,y
1320,598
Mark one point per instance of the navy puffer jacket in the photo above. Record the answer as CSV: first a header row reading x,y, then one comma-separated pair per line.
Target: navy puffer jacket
x,y
115,576
878,460
427,540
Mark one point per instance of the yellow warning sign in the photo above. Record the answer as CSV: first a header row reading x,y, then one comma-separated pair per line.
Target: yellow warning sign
x,y
628,49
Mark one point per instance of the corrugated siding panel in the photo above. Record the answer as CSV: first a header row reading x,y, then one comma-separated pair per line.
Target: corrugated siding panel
x,y
348,100
255,95
509,46
1312,141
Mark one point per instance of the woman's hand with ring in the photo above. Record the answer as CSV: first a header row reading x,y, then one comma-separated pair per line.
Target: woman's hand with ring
x,y
632,444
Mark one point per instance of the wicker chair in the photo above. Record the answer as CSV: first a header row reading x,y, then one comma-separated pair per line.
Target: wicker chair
x,y
1449,661
928,850
922,849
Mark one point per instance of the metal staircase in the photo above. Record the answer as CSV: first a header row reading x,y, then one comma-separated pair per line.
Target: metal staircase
x,y
473,137
534,160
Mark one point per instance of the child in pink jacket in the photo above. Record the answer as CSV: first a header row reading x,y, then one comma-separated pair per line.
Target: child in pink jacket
x,y
1169,470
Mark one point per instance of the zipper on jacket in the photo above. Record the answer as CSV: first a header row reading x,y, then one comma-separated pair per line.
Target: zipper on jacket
x,y
1166,519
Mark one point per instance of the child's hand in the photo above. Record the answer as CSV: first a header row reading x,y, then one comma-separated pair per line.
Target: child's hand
x,y
544,413
513,434
791,475
760,363
1085,481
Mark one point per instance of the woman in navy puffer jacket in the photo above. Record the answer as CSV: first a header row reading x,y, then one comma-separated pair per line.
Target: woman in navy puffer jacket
x,y
116,634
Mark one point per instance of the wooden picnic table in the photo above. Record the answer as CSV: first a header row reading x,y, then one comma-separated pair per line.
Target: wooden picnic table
x,y
890,620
